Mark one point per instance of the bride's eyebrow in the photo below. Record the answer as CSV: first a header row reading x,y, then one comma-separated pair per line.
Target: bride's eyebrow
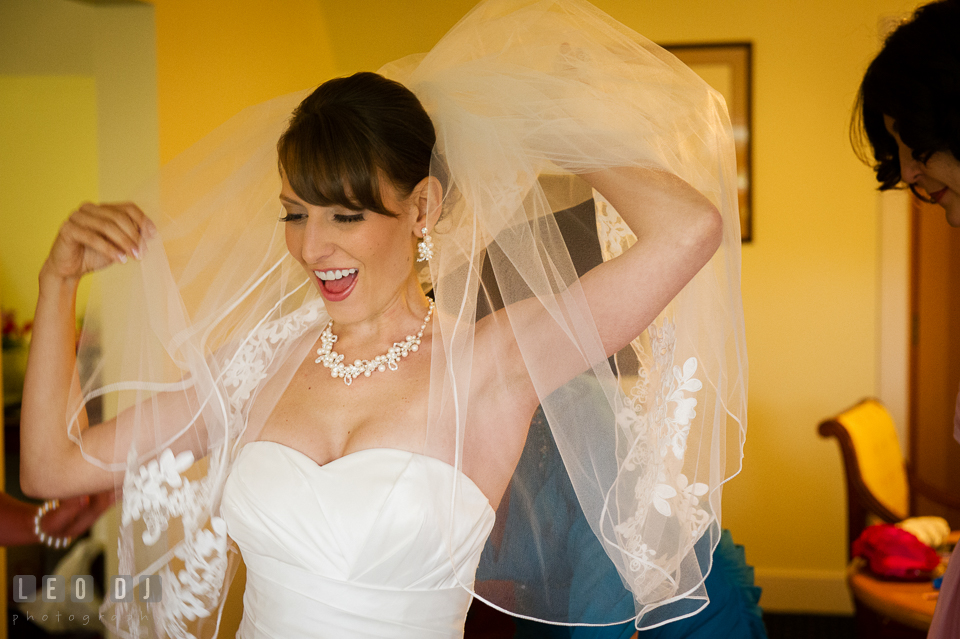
x,y
287,200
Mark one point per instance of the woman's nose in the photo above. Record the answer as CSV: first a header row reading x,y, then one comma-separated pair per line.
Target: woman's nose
x,y
317,241
910,168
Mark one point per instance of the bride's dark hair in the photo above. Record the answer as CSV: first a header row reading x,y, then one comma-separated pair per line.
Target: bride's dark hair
x,y
348,134
915,79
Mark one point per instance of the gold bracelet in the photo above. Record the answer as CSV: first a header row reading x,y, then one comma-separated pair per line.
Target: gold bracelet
x,y
49,540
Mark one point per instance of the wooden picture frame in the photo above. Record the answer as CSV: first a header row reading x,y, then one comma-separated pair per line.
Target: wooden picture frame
x,y
727,67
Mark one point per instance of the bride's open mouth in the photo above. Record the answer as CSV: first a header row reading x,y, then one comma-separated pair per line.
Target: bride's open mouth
x,y
336,284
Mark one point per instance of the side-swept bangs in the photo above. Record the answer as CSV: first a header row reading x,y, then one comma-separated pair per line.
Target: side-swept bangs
x,y
327,160
350,134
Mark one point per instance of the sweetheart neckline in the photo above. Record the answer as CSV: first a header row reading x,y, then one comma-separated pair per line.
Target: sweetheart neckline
x,y
313,462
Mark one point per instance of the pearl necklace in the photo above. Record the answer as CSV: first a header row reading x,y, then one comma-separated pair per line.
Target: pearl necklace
x,y
348,372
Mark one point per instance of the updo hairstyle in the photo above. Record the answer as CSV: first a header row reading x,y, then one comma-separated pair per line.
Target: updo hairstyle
x,y
915,79
347,134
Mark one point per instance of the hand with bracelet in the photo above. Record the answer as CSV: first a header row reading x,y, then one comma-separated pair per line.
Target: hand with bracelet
x,y
55,523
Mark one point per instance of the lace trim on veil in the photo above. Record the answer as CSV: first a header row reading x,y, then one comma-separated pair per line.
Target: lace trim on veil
x,y
161,491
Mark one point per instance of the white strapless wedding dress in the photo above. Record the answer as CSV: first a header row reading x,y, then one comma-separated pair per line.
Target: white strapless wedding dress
x,y
352,548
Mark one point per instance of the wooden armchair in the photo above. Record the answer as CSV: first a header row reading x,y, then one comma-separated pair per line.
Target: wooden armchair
x,y
879,487
879,482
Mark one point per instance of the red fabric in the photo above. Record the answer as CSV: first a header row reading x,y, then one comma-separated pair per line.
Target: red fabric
x,y
895,553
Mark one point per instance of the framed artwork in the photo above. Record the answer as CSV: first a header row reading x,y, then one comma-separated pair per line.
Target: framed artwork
x,y
727,68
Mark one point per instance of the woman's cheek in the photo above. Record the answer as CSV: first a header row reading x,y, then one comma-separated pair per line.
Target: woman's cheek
x,y
293,239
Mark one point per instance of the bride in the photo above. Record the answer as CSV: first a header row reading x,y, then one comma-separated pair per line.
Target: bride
x,y
291,388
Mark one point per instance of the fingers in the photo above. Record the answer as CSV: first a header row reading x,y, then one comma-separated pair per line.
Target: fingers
x,y
114,226
104,500
98,235
94,506
146,226
60,520
83,520
84,234
75,515
134,222
117,231
95,236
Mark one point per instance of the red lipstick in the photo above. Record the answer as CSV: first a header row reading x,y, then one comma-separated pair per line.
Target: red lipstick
x,y
337,290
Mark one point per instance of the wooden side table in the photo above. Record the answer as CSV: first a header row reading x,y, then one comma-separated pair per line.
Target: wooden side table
x,y
909,603
891,609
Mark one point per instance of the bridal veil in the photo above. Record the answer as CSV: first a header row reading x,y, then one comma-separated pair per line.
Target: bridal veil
x,y
193,346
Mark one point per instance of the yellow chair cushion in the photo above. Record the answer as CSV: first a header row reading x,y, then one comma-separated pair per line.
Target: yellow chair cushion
x,y
874,438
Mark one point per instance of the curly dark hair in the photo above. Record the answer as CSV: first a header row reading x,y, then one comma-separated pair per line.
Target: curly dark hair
x,y
347,133
915,79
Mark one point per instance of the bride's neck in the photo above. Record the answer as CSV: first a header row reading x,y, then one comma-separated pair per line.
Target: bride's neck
x,y
401,316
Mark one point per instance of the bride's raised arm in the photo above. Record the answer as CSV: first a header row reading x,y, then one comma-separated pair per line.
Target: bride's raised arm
x,y
52,463
678,230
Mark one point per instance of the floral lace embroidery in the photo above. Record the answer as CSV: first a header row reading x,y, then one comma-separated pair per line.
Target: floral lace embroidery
x,y
249,366
194,591
615,238
656,457
658,419
158,492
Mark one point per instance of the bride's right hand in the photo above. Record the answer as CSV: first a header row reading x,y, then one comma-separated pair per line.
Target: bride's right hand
x,y
97,235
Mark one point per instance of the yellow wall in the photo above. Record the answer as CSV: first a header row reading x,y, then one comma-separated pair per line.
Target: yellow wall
x,y
48,160
218,56
78,122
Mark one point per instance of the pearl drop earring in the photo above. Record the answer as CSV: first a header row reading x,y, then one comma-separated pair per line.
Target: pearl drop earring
x,y
425,247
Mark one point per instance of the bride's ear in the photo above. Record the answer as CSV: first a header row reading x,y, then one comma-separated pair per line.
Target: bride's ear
x,y
427,195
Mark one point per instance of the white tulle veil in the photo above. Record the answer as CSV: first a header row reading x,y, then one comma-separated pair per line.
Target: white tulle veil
x,y
193,346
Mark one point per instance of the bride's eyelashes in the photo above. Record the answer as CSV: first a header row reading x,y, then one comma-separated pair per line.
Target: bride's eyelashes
x,y
286,215
339,217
